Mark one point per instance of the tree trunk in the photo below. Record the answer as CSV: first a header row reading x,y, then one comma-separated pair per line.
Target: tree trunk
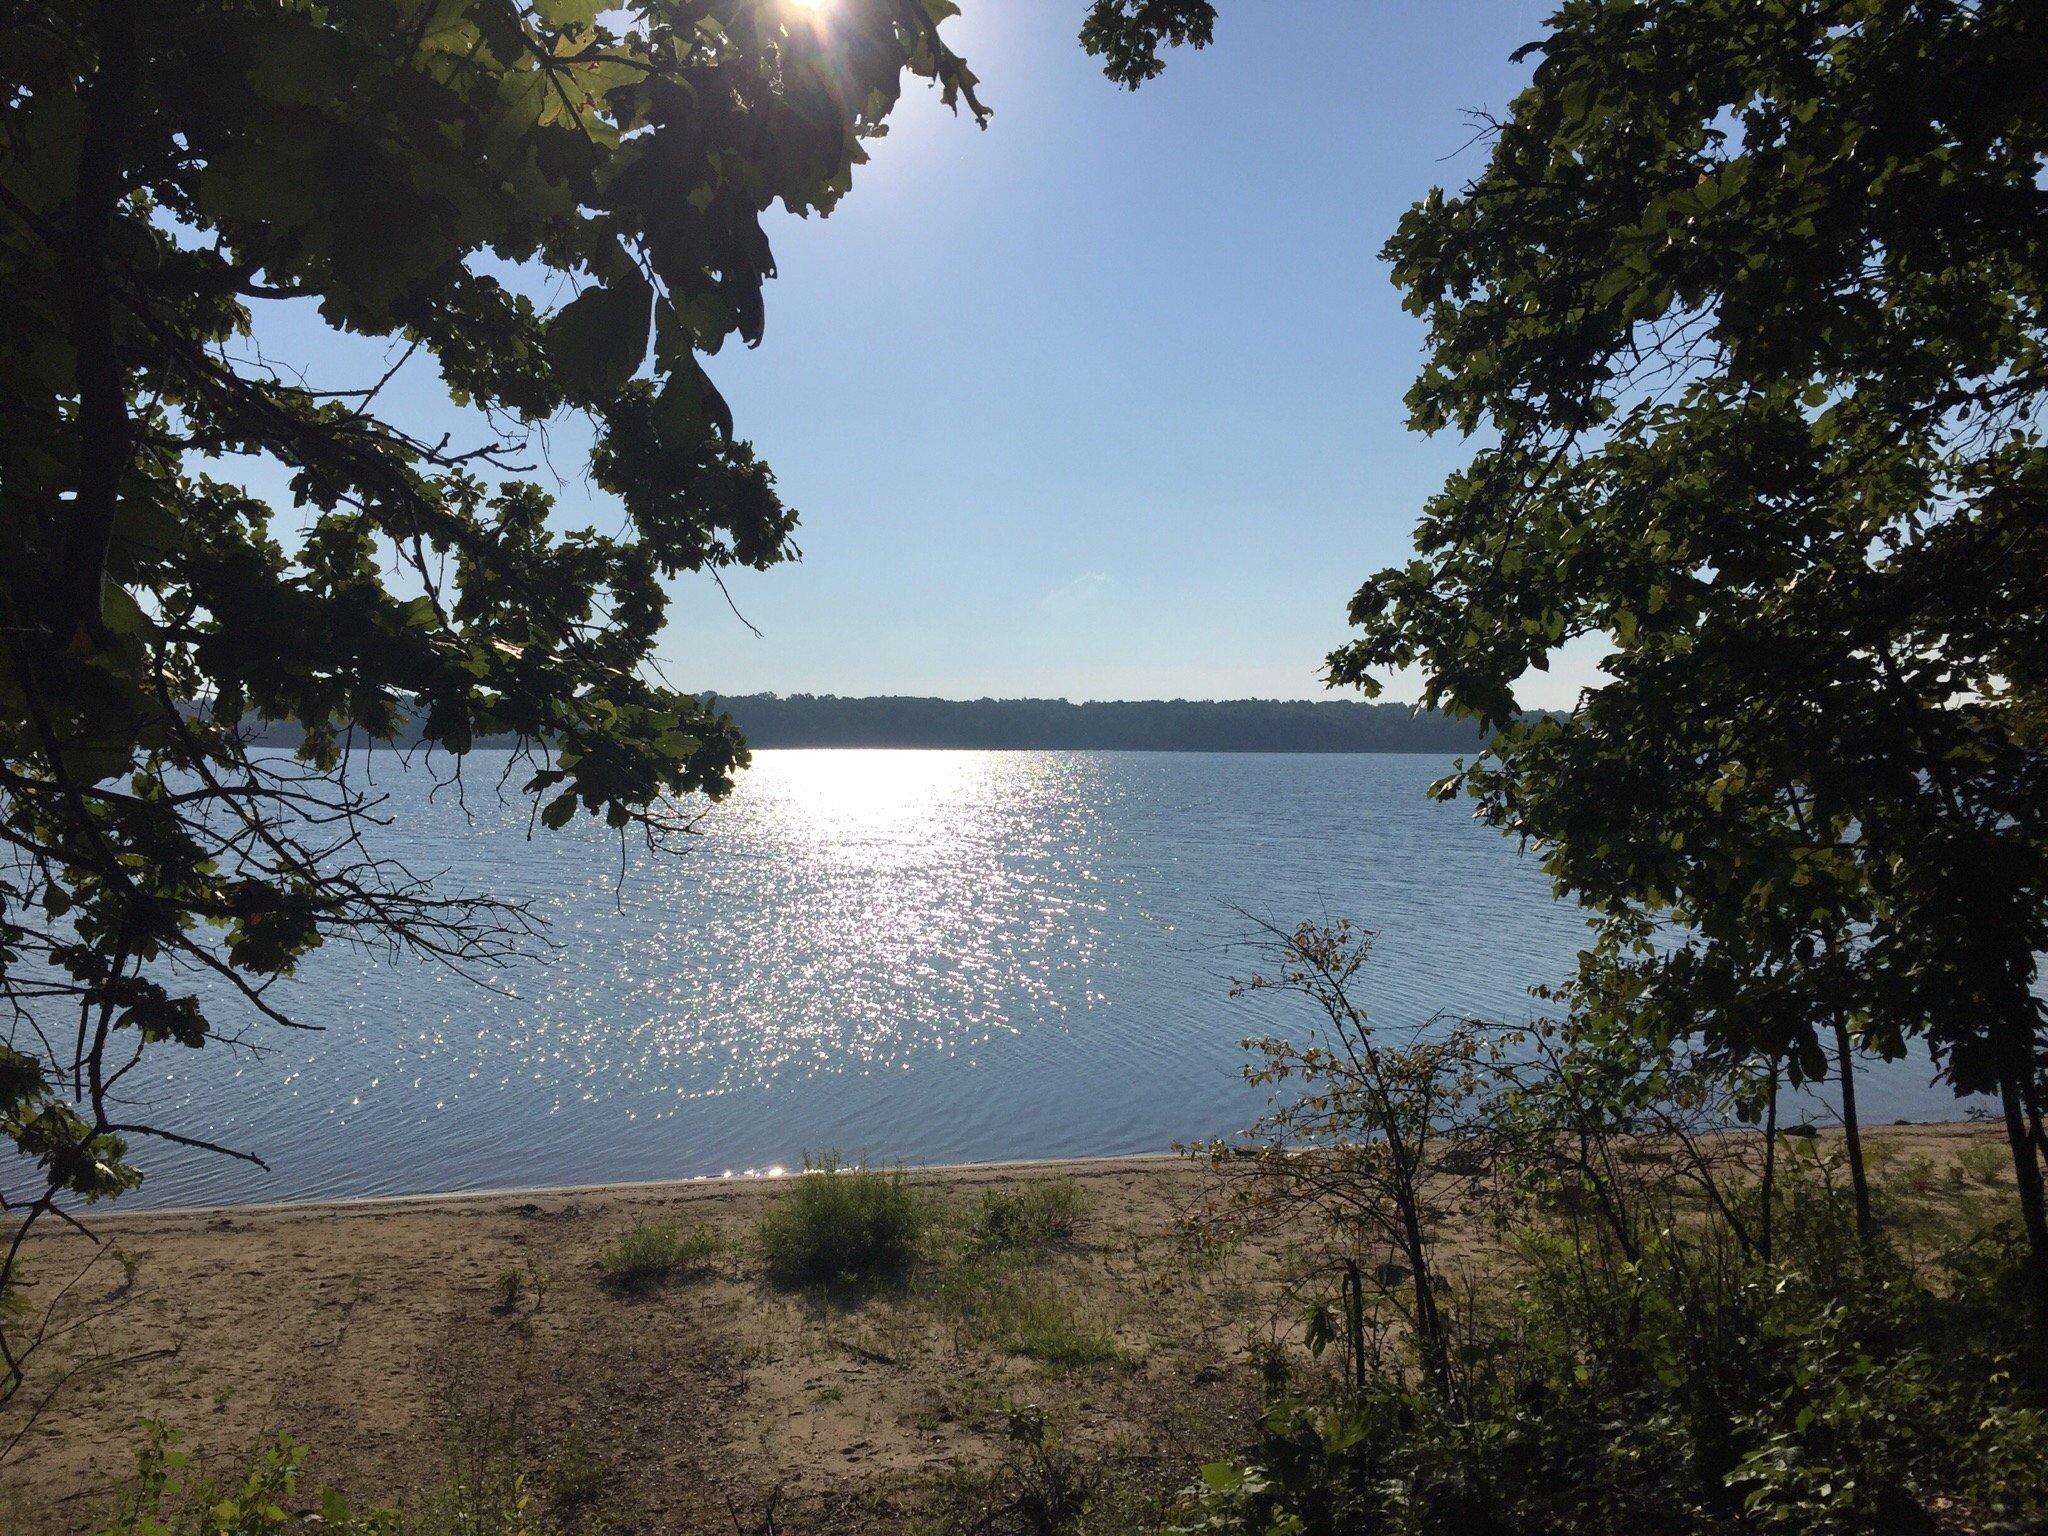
x,y
1852,1130
1428,1321
1763,1227
104,437
1354,1322
2026,1167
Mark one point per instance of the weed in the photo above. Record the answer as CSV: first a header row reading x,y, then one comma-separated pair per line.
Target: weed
x,y
1983,1162
485,1494
1049,1487
576,1477
169,1495
520,1284
1276,1371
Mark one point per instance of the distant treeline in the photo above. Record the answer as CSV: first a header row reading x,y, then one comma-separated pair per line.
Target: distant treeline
x,y
1147,725
1143,725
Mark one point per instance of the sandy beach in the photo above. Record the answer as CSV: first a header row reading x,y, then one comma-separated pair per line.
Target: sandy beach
x,y
373,1331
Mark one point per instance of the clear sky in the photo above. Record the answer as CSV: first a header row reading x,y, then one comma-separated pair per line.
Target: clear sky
x,y
1103,401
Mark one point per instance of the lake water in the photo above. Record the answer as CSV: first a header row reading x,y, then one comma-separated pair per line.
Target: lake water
x,y
925,956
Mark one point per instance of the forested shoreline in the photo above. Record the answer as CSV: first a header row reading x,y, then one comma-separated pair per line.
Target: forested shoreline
x,y
770,720
1144,725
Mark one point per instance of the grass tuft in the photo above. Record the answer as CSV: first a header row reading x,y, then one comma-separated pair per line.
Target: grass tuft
x,y
1983,1162
577,1477
1046,1214
654,1251
1045,1329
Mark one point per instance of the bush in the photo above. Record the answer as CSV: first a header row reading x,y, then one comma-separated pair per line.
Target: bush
x,y
835,1225
484,1495
653,1251
1045,1214
1682,1393
1681,1333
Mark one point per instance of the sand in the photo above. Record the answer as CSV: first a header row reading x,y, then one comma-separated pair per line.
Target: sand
x,y
374,1332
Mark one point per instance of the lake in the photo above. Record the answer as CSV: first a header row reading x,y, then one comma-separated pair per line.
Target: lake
x,y
915,955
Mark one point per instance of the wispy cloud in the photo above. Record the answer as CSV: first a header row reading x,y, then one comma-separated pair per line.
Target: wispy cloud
x,y
1083,594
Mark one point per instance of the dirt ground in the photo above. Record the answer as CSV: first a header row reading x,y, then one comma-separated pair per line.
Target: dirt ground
x,y
377,1333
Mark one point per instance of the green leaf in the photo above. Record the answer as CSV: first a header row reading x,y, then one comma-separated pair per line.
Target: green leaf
x,y
1221,1476
599,339
565,13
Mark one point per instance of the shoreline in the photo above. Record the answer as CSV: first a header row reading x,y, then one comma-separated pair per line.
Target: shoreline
x,y
683,1184
627,1188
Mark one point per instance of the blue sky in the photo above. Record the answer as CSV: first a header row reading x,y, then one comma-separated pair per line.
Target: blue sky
x,y
1103,401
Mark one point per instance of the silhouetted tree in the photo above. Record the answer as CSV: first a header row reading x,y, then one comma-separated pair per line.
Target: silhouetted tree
x,y
1748,308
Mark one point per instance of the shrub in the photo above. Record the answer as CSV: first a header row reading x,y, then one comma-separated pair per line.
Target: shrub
x,y
653,1251
483,1495
1817,1400
837,1225
1044,1214
1671,1344
168,1496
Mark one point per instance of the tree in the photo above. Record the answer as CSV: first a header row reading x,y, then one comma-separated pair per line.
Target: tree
x,y
1747,308
1376,1134
522,194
